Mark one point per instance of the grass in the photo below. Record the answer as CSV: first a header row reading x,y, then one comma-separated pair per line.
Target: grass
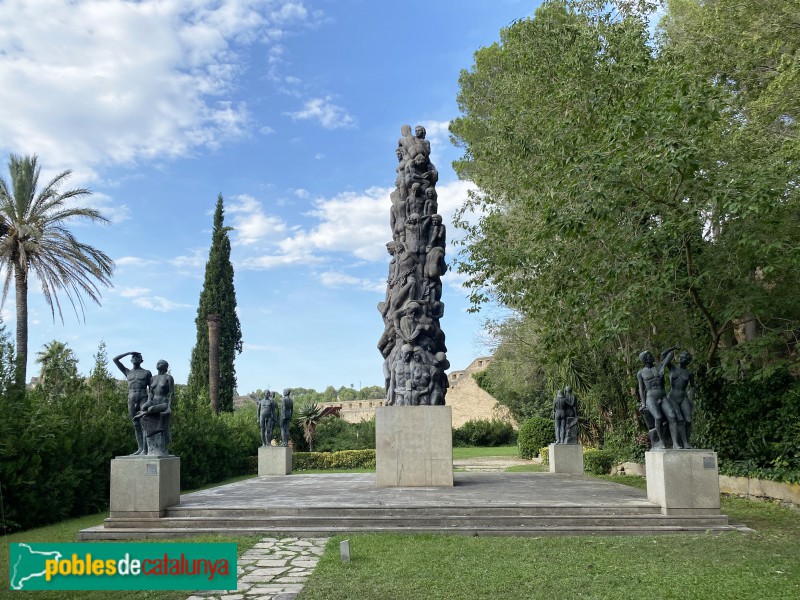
x,y
67,531
731,565
532,468
473,452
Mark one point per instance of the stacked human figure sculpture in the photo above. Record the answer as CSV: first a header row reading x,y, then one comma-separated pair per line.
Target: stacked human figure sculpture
x,y
413,344
668,416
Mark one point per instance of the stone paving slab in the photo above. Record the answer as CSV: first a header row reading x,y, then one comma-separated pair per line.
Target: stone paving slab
x,y
291,561
357,490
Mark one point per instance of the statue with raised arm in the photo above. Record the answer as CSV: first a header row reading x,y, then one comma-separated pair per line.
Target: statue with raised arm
x,y
654,401
267,409
139,381
156,414
287,410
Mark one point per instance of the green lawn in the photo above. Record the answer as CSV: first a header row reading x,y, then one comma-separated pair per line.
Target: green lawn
x,y
731,565
67,531
472,452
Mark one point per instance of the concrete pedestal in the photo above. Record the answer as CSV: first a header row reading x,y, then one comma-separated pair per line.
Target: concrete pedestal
x,y
414,446
566,458
274,460
683,482
144,486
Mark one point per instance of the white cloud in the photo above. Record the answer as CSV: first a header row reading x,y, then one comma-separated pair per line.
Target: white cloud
x,y
301,193
329,115
133,292
133,261
191,264
333,279
250,222
143,299
91,82
438,134
349,223
158,303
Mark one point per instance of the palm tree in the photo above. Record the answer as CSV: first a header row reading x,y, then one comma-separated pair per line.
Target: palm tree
x,y
36,240
308,416
59,366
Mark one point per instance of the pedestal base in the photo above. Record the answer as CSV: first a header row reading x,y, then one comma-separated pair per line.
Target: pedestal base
x,y
143,486
683,482
566,458
274,460
414,446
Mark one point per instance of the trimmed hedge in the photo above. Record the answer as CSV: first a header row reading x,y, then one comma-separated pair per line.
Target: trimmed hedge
x,y
534,434
544,454
484,432
598,462
344,459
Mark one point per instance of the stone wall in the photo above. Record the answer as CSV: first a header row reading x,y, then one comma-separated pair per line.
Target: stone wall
x,y
468,400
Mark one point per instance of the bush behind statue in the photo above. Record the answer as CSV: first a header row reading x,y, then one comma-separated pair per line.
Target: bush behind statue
x,y
534,434
484,433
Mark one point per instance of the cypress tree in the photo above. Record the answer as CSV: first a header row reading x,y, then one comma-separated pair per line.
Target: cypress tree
x,y
217,298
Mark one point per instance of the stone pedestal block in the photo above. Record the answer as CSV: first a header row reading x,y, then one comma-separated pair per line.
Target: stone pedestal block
x,y
414,446
274,460
144,486
566,458
683,482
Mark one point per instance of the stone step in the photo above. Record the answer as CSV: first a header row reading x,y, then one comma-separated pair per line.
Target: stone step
x,y
645,508
105,533
368,523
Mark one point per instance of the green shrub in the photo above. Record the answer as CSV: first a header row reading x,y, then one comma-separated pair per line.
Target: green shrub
x,y
533,434
345,459
544,454
335,434
598,462
484,433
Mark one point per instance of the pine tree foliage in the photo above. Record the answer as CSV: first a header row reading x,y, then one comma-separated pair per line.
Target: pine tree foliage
x,y
217,297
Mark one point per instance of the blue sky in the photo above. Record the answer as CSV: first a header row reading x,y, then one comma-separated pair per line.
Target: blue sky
x,y
292,111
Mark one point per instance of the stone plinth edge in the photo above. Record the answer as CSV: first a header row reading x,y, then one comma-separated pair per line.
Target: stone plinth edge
x,y
144,486
274,460
566,458
414,446
683,482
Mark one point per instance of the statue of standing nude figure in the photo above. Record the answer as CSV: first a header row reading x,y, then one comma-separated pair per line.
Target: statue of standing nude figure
x,y
662,416
139,381
267,410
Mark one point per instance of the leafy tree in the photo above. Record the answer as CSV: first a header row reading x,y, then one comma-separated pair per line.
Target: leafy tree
x,y
101,382
218,297
35,240
7,363
610,212
59,369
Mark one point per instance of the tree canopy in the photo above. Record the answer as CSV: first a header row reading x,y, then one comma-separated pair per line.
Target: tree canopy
x,y
625,198
634,192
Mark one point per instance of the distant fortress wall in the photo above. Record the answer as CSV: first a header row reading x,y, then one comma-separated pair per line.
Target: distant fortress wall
x,y
468,401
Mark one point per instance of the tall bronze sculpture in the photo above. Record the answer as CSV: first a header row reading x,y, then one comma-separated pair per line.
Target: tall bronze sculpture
x,y
413,344
139,381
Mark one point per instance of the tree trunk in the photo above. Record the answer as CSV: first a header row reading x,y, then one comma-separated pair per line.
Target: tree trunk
x,y
213,360
21,367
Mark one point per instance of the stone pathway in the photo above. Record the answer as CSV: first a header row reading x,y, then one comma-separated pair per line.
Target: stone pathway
x,y
490,463
273,569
